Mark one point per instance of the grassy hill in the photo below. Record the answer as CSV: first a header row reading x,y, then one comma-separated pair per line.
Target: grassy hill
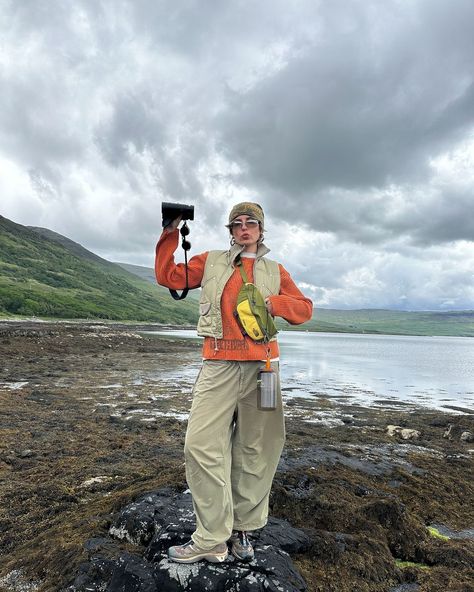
x,y
45,274
148,274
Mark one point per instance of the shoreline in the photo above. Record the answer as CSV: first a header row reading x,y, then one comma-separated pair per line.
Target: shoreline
x,y
288,328
101,420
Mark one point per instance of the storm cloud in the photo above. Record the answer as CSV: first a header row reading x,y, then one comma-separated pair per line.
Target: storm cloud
x,y
351,123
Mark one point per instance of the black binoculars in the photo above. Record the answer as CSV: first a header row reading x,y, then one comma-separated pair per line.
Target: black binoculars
x,y
170,211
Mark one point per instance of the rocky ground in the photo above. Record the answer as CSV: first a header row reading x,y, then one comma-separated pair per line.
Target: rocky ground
x,y
93,416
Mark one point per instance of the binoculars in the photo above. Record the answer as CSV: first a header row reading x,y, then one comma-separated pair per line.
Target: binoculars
x,y
170,211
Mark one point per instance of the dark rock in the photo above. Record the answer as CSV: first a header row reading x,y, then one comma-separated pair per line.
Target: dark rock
x,y
271,570
452,432
379,460
92,575
162,519
132,574
26,454
178,526
138,522
439,422
459,431
128,573
101,546
281,534
394,483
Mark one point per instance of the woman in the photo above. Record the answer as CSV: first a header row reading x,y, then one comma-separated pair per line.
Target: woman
x,y
232,449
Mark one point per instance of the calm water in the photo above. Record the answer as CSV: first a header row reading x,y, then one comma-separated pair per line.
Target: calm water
x,y
377,369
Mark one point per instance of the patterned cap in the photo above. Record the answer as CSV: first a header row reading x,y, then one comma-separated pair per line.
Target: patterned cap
x,y
247,208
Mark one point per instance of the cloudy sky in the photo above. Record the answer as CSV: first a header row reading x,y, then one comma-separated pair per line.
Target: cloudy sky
x,y
350,121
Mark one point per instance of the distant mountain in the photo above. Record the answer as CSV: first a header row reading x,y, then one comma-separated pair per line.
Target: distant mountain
x,y
146,273
45,274
394,322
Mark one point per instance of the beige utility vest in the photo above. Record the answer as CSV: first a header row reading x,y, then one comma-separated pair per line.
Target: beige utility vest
x,y
217,271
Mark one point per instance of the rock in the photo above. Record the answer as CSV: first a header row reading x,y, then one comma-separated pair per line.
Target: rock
x,y
101,545
439,422
15,581
26,454
455,432
160,519
405,433
393,430
138,521
93,481
271,570
281,534
467,437
410,434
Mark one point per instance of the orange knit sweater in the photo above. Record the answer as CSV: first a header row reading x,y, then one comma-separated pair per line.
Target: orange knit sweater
x,y
289,304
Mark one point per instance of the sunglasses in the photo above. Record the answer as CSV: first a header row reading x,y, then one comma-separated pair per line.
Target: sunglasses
x,y
238,224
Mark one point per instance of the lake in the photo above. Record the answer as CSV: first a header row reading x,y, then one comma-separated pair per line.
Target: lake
x,y
388,370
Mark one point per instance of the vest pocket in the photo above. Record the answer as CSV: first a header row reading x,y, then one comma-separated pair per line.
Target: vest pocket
x,y
204,308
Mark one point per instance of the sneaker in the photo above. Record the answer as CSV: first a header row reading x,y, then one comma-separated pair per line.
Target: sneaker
x,y
241,547
190,552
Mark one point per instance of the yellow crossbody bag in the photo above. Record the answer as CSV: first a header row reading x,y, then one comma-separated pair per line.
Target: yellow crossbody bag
x,y
251,312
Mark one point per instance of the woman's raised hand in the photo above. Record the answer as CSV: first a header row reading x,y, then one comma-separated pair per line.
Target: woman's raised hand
x,y
173,225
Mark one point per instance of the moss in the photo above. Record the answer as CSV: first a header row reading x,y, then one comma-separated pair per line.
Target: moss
x,y
434,532
404,564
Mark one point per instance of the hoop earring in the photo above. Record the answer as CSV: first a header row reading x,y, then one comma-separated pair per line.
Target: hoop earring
x,y
260,240
232,241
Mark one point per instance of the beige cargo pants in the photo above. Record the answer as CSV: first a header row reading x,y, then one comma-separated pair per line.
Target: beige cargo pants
x,y
232,450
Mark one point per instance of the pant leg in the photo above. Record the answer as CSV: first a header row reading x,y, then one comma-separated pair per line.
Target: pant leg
x,y
258,441
208,450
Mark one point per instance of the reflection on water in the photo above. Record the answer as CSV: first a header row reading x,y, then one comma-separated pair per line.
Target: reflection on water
x,y
376,369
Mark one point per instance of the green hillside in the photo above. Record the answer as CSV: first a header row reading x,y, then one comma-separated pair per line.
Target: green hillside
x,y
394,322
148,274
46,275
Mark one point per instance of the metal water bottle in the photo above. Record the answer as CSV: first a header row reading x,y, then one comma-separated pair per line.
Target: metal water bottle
x,y
267,388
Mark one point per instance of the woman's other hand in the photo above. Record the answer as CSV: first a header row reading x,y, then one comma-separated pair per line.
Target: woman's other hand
x,y
269,306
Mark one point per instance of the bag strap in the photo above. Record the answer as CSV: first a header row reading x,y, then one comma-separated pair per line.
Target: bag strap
x,y
242,272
